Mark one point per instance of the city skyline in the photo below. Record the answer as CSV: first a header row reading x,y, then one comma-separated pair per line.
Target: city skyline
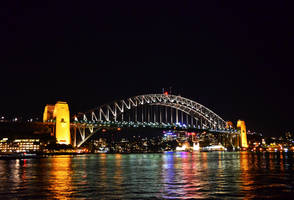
x,y
232,58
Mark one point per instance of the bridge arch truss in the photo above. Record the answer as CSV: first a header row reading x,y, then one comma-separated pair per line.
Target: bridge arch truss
x,y
170,110
199,114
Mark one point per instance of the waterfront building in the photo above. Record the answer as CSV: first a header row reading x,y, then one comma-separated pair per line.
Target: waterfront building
x,y
20,145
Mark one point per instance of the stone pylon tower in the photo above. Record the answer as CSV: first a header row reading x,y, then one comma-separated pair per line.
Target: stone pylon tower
x,y
241,124
60,113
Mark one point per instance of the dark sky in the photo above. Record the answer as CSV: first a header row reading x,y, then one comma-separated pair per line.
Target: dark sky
x,y
235,58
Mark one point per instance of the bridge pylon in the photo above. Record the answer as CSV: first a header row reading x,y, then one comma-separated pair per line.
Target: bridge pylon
x,y
241,124
60,113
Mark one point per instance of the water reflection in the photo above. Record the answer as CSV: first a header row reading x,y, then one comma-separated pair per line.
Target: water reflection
x,y
208,175
247,183
264,175
118,176
102,169
182,178
61,177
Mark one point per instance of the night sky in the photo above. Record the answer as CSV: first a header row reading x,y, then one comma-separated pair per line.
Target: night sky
x,y
235,58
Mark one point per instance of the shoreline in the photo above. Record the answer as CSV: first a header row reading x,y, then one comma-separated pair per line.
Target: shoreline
x,y
46,155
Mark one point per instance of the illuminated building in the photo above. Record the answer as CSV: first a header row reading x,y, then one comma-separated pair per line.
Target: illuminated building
x,y
169,136
60,113
241,124
19,145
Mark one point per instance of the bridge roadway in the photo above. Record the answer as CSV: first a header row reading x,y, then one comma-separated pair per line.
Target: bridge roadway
x,y
104,126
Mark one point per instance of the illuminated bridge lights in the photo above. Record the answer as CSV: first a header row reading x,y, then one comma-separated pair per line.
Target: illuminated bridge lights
x,y
161,111
154,125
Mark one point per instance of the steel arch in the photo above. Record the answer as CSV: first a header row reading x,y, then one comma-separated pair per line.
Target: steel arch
x,y
111,111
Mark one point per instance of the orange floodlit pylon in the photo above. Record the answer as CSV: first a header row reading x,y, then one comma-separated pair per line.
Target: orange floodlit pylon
x,y
241,124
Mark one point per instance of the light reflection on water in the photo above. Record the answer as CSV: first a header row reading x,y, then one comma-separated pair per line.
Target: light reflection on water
x,y
237,175
61,178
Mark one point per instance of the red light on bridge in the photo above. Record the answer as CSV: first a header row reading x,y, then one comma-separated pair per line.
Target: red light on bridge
x,y
104,130
165,93
119,129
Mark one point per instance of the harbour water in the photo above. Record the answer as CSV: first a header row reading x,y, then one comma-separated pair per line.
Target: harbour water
x,y
181,175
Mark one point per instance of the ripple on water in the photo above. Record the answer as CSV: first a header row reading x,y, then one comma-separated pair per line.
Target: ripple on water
x,y
233,175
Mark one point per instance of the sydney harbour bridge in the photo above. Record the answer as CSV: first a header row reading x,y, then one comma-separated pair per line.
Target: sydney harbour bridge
x,y
158,111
